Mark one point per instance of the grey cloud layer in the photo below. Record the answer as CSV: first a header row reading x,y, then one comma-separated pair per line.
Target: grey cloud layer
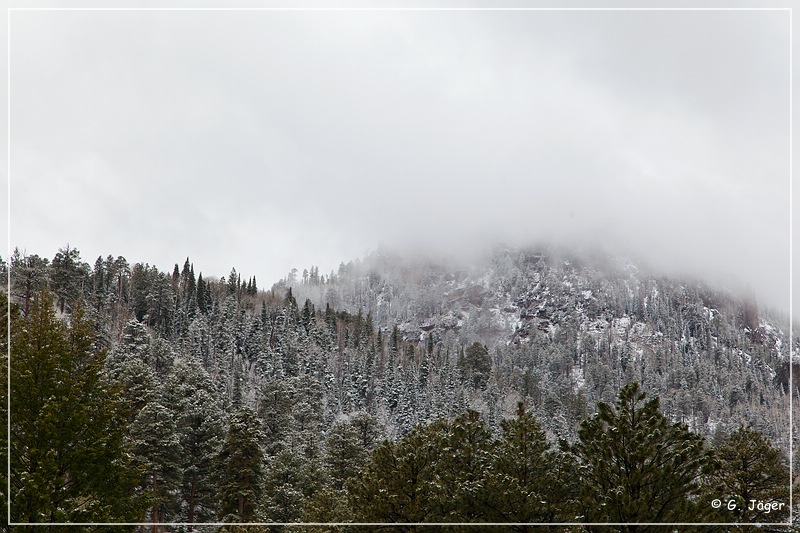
x,y
268,140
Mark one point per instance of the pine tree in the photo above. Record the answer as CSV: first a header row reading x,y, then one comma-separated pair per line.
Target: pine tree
x,y
191,294
157,450
67,277
307,315
366,428
400,483
99,286
636,466
29,276
345,454
4,320
160,356
327,505
462,469
748,469
241,463
201,294
523,482
200,429
135,343
477,365
289,479
233,283
139,385
3,273
275,410
68,460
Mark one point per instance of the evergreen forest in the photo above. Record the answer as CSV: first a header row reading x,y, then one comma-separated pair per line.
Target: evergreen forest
x,y
536,387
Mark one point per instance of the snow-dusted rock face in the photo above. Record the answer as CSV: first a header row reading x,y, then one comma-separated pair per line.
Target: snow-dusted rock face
x,y
588,324
518,292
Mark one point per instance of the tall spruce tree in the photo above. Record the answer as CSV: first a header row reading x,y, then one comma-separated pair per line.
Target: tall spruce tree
x,y
139,385
241,461
135,343
290,478
200,428
345,455
477,365
157,450
275,411
201,294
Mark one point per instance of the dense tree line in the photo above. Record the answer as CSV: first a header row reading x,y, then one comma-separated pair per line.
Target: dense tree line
x,y
201,399
629,465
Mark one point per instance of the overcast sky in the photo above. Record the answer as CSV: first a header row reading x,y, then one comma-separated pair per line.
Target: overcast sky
x,y
268,140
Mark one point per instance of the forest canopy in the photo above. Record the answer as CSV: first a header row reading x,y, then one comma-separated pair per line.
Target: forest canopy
x,y
144,396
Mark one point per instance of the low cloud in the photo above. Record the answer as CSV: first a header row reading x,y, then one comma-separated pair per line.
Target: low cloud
x,y
272,140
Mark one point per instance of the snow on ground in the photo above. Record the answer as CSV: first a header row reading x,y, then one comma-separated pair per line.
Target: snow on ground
x,y
577,377
621,324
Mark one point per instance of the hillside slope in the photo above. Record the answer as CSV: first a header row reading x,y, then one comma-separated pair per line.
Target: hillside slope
x,y
565,327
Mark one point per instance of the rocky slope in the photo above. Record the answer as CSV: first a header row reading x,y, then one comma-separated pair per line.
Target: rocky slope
x,y
586,324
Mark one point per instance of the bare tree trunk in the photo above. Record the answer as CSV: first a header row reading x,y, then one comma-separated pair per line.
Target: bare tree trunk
x,y
155,504
191,506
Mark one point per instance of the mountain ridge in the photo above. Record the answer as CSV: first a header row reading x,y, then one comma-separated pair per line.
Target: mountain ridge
x,y
562,332
616,319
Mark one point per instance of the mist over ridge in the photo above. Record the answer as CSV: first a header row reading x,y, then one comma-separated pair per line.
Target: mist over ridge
x,y
605,260
298,138
405,265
